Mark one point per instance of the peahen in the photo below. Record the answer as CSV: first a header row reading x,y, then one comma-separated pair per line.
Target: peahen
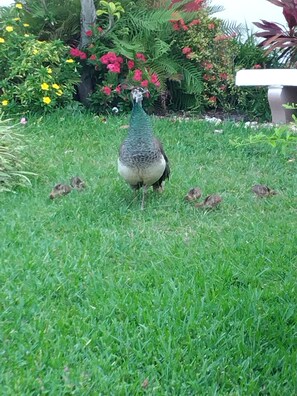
x,y
142,161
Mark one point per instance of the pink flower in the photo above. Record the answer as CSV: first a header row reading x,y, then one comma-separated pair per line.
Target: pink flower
x,y
257,66
23,121
205,77
140,56
186,50
104,59
100,29
144,83
83,55
213,99
137,75
154,78
120,59
106,90
93,57
223,87
114,67
157,83
208,65
211,26
89,33
130,64
118,89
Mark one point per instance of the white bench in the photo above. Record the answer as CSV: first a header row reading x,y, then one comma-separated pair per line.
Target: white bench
x,y
282,89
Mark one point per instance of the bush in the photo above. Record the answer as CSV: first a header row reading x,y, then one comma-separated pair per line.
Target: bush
x,y
12,163
132,48
36,75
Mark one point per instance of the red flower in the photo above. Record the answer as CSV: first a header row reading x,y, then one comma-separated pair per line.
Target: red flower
x,y
223,76
206,77
137,75
223,87
114,67
211,26
186,50
257,66
195,22
83,55
110,57
93,57
89,33
154,78
175,26
75,52
213,99
106,90
140,56
144,83
130,64
207,65
118,89
100,29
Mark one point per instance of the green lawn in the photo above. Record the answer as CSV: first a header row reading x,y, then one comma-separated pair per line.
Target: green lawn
x,y
97,296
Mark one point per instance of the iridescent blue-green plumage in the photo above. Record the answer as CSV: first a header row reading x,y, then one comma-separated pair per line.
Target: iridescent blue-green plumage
x,y
142,161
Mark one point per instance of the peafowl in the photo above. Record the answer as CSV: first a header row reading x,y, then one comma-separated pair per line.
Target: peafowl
x,y
142,161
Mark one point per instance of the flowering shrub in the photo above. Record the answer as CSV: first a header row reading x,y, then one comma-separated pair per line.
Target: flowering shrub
x,y
205,44
35,75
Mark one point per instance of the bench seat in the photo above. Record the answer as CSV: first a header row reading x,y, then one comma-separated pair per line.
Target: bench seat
x,y
282,89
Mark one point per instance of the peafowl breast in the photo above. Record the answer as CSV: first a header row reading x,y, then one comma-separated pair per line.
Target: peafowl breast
x,y
142,161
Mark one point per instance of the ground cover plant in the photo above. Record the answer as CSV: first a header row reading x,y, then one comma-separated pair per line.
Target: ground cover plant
x,y
99,297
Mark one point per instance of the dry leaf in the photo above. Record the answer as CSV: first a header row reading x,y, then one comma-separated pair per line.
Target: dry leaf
x,y
263,191
77,183
59,190
194,193
210,202
145,383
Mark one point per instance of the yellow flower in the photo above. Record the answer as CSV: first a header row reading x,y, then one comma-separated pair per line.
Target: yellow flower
x,y
9,28
45,86
4,102
69,61
2,40
56,86
35,51
46,100
49,70
26,24
19,6
59,92
16,19
26,35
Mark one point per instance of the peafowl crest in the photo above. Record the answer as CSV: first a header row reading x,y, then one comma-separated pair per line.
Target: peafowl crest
x,y
142,161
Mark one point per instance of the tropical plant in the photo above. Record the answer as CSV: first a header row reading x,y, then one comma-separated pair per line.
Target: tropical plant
x,y
12,162
35,75
144,37
278,38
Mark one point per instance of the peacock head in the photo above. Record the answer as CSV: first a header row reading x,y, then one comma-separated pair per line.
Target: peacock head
x,y
137,94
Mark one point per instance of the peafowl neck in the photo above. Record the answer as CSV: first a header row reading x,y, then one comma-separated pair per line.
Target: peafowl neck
x,y
140,126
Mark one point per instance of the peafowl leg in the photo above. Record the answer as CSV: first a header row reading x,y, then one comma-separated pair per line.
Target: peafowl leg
x,y
144,190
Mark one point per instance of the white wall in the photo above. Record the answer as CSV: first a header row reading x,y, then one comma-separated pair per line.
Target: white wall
x,y
249,11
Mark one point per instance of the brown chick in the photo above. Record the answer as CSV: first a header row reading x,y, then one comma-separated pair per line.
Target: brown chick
x,y
210,202
59,190
263,191
193,194
77,183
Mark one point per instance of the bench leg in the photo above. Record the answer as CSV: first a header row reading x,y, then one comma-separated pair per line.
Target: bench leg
x,y
277,97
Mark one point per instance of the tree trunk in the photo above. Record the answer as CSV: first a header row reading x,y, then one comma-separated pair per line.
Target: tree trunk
x,y
88,18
